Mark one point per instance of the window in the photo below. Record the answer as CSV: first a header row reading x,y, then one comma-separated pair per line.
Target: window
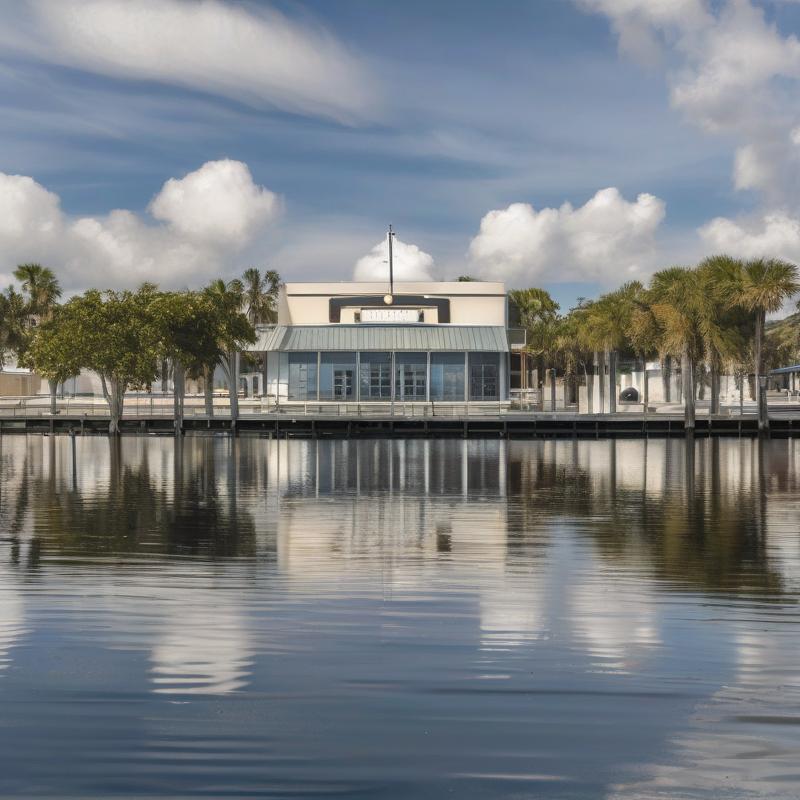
x,y
447,376
410,376
376,376
484,369
337,376
302,376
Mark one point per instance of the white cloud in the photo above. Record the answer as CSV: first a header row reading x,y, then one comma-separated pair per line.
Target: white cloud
x,y
259,57
731,72
207,217
774,235
409,263
219,202
608,239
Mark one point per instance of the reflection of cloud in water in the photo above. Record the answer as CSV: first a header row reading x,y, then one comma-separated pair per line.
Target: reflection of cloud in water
x,y
201,648
743,741
514,613
12,620
616,622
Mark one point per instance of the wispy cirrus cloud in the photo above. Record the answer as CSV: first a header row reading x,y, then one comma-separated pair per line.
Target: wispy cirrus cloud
x,y
256,56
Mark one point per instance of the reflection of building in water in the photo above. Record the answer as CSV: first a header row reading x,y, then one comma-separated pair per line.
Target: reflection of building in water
x,y
415,513
347,505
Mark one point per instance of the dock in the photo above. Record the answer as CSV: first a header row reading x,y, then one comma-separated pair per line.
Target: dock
x,y
511,425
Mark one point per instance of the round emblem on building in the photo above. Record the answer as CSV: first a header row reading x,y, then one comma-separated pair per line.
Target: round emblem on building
x,y
388,299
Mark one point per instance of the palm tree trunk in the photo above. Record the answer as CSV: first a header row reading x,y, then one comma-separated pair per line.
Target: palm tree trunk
x,y
761,392
666,374
208,390
589,389
178,394
687,372
612,381
645,387
714,386
116,400
230,365
601,381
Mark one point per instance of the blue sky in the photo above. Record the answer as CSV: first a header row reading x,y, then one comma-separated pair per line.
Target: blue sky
x,y
432,116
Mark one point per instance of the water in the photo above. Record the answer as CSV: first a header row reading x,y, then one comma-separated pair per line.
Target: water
x,y
397,619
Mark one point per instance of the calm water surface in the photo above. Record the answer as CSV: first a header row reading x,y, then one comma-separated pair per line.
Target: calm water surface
x,y
393,619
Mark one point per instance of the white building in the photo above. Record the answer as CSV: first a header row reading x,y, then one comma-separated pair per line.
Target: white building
x,y
357,342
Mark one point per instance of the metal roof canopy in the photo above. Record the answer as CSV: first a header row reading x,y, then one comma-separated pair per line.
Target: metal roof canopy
x,y
785,370
363,337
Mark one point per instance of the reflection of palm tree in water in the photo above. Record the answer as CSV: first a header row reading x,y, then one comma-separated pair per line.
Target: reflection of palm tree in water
x,y
690,532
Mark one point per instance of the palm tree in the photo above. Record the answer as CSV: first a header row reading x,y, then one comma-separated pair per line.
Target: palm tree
x,y
235,330
676,300
13,318
644,335
538,313
260,295
43,291
605,330
722,325
758,287
41,287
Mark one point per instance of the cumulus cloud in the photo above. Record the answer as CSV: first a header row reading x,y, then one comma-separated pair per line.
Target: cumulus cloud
x,y
409,263
774,235
218,202
201,221
257,56
608,239
732,73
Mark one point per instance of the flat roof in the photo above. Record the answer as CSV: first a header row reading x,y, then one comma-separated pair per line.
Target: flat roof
x,y
364,336
447,288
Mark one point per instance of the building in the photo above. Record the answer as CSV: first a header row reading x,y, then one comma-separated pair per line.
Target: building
x,y
357,342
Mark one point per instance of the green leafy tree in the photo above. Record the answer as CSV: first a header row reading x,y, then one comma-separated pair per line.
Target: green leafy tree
x,y
51,355
187,339
114,334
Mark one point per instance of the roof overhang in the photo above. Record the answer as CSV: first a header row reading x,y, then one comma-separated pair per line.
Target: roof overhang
x,y
381,337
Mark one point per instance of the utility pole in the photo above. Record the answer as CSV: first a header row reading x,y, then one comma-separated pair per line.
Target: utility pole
x,y
391,263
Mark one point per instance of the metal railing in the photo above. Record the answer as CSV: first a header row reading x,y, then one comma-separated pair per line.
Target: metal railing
x,y
194,407
523,401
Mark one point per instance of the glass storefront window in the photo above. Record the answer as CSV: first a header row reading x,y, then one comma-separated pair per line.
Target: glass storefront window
x,y
376,376
302,376
410,376
484,375
337,376
447,376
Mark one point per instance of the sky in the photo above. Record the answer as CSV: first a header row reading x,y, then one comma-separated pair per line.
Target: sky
x,y
569,144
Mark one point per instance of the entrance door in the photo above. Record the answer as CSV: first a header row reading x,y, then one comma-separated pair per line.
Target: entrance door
x,y
342,384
